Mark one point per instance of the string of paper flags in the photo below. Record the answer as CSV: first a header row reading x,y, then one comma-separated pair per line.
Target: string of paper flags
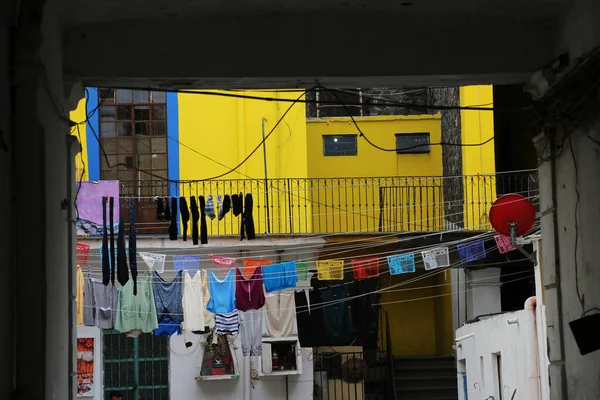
x,y
362,267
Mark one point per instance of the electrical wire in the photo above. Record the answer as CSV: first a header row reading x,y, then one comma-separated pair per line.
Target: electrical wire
x,y
396,149
310,249
320,305
284,100
580,295
372,255
350,243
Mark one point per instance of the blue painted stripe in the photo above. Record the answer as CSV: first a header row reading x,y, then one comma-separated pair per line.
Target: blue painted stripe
x,y
172,142
173,146
93,147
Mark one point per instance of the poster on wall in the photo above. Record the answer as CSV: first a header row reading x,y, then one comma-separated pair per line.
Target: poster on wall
x,y
85,367
89,206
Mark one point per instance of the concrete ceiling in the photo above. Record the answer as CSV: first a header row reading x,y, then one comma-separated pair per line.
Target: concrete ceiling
x,y
297,43
108,11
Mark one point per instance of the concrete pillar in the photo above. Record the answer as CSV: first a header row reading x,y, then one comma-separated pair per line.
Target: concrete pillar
x,y
570,259
6,204
44,337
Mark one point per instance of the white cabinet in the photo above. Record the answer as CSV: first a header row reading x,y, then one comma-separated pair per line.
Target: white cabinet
x,y
289,356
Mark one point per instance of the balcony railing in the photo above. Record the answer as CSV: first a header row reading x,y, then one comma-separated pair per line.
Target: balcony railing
x,y
362,205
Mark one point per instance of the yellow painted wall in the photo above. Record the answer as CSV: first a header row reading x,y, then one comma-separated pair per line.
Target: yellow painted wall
x,y
354,204
420,314
370,161
227,130
412,314
443,313
478,161
79,115
477,127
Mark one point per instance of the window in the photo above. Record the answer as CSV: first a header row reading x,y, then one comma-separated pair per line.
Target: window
x,y
497,371
137,367
340,145
133,133
412,143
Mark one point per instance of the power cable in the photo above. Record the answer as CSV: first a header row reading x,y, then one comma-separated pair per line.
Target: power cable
x,y
362,134
580,295
284,100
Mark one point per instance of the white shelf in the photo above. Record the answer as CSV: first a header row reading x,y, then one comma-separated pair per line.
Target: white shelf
x,y
269,339
283,373
217,377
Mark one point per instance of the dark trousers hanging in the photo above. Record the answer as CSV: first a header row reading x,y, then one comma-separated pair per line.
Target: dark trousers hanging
x,y
203,227
195,218
167,210
173,223
160,209
185,216
105,259
113,260
122,268
247,219
133,244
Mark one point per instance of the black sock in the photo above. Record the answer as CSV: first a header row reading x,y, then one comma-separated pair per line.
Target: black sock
x,y
236,204
173,223
226,207
113,258
122,268
203,227
195,218
167,209
132,244
185,216
105,259
248,218
160,209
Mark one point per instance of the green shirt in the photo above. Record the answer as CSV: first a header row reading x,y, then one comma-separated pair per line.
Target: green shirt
x,y
137,312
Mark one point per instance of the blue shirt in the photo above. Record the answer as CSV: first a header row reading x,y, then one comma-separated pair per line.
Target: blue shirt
x,y
280,276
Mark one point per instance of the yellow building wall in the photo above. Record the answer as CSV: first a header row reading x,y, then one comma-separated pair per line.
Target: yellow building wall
x,y
420,313
79,115
226,130
412,314
370,161
478,161
352,203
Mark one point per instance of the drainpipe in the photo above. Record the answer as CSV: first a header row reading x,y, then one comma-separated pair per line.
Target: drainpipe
x,y
533,372
557,272
264,143
73,148
246,381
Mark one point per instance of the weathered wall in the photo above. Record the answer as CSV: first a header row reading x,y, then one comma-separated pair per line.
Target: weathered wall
x,y
184,363
569,186
54,131
511,336
483,292
6,224
413,315
576,268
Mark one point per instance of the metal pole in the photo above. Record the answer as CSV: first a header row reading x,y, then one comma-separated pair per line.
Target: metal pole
x,y
264,143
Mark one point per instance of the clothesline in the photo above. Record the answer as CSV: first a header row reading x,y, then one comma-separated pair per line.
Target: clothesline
x,y
379,237
163,322
320,246
392,289
483,236
372,255
278,275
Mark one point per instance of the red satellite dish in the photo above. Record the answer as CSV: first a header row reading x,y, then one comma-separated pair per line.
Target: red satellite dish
x,y
512,208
